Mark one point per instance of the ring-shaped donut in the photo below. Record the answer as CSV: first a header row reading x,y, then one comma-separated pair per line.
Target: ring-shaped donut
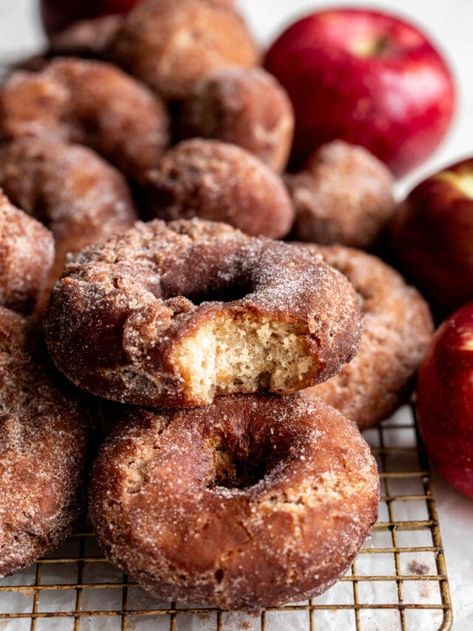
x,y
90,103
26,258
171,45
243,106
218,181
77,195
397,329
252,502
175,314
42,450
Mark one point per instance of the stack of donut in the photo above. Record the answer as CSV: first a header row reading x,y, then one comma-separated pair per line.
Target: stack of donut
x,y
243,366
42,423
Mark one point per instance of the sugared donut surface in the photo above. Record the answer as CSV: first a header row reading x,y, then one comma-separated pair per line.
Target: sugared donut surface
x,y
397,329
344,196
246,107
252,502
26,258
81,198
171,45
42,450
91,103
173,315
92,37
219,182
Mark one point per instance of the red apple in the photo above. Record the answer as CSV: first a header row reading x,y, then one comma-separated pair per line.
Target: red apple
x,y
57,14
432,235
368,78
445,400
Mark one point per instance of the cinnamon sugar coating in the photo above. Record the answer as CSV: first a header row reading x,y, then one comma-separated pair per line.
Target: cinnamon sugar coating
x,y
174,315
252,502
81,198
246,107
42,450
26,258
397,329
90,103
171,45
219,182
345,196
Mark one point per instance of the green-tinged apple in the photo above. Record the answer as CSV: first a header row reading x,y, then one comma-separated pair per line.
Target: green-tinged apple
x,y
368,78
445,400
432,236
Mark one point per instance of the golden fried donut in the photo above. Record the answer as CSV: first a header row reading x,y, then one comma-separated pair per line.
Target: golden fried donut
x,y
219,182
174,315
92,37
246,107
397,329
252,502
81,198
26,258
42,450
91,103
170,45
345,196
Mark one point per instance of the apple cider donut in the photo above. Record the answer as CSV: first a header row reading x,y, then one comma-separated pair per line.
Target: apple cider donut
x,y
397,329
42,450
90,103
246,107
171,45
344,196
81,198
252,502
26,258
219,182
173,315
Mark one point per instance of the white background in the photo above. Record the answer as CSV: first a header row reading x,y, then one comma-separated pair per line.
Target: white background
x,y
451,23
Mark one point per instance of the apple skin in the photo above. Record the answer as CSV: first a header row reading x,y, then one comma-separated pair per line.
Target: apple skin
x,y
432,236
445,400
368,78
57,14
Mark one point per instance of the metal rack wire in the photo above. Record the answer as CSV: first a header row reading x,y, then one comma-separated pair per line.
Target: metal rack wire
x,y
398,581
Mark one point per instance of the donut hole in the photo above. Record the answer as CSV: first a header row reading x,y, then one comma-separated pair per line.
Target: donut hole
x,y
228,293
243,353
242,467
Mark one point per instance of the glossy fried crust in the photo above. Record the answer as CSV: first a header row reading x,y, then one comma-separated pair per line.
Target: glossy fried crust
x,y
81,198
42,451
397,329
120,309
246,107
26,258
219,182
344,196
91,103
252,502
170,45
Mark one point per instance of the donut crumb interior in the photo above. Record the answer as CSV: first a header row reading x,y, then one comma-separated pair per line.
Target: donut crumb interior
x,y
243,354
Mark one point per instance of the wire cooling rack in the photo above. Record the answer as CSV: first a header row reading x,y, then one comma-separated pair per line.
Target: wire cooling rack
x,y
398,581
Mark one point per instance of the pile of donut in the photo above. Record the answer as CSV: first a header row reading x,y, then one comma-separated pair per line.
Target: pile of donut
x,y
229,371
